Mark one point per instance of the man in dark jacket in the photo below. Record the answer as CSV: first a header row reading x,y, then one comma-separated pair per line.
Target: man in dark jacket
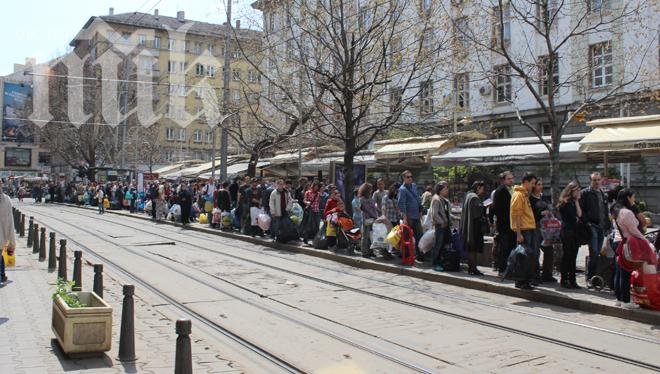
x,y
594,207
501,210
185,199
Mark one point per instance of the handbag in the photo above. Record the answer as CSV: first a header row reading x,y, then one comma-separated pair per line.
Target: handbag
x,y
8,257
582,232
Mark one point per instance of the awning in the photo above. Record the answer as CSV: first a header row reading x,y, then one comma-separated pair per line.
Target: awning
x,y
323,163
506,154
288,158
623,135
412,149
234,170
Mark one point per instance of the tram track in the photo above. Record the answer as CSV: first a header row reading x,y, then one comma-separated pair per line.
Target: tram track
x,y
468,319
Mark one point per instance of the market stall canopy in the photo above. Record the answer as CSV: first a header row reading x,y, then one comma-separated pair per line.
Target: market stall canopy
x,y
424,147
195,170
509,151
623,135
234,170
323,162
170,168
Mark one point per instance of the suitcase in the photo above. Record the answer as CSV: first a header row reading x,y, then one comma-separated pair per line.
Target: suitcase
x,y
604,276
451,260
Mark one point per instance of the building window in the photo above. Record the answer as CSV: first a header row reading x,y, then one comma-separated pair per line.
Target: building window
x,y
236,54
601,64
199,69
199,91
462,90
545,129
209,137
501,132
502,83
169,156
142,39
183,66
501,26
461,33
236,75
396,96
146,65
426,97
157,42
171,44
197,136
210,48
290,50
171,66
543,75
253,77
210,71
169,133
198,48
428,38
598,5
182,135
271,21
236,96
426,5
126,35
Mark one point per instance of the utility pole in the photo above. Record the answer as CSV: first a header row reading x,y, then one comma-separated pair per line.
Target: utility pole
x,y
124,104
225,96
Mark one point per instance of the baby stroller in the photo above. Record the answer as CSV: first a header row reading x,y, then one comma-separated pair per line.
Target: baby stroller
x,y
645,281
348,236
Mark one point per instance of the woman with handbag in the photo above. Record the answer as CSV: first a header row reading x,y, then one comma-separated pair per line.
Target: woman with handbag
x,y
571,213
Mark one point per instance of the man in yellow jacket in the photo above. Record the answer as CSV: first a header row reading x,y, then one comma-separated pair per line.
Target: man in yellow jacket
x,y
522,218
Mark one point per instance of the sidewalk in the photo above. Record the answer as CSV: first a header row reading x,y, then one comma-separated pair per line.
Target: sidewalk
x,y
28,345
599,302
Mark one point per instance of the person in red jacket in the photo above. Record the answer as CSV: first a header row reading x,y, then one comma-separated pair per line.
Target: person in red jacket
x,y
335,197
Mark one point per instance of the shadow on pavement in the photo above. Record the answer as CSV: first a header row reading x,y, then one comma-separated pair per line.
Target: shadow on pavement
x,y
76,364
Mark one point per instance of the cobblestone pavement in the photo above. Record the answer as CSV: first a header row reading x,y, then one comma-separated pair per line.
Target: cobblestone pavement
x,y
231,282
27,343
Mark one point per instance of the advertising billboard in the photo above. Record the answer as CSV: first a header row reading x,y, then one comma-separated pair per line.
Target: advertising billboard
x,y
15,127
339,174
18,157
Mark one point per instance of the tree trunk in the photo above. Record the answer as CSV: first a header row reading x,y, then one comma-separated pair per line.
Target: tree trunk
x,y
554,173
252,164
349,177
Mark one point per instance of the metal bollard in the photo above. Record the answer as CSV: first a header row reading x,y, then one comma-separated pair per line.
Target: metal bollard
x,y
42,245
15,213
77,271
98,280
22,234
29,240
61,271
127,331
183,355
52,253
35,238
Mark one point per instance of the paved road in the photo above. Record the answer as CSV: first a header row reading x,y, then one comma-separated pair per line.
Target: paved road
x,y
322,316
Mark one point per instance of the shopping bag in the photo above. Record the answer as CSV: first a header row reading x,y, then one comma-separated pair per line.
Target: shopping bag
x,y
286,231
203,218
106,203
330,229
426,241
216,216
394,236
254,214
208,206
320,240
9,258
427,222
379,236
264,220
225,219
550,230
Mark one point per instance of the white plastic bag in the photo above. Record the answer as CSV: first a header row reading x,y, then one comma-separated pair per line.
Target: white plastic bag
x,y
264,220
427,222
427,241
254,213
379,236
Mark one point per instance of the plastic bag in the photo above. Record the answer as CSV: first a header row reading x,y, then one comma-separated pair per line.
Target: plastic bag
x,y
320,240
147,206
297,211
379,236
254,213
9,258
330,229
203,218
106,203
264,220
427,222
225,219
208,206
521,264
394,237
426,241
550,230
217,216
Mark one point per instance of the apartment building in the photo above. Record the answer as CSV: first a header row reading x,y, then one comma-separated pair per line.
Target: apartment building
x,y
174,68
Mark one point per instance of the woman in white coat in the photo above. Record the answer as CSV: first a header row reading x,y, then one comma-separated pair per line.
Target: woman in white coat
x,y
7,235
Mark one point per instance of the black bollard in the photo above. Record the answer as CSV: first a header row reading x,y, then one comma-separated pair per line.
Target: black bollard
x,y
127,331
22,234
98,280
77,271
42,245
52,253
29,242
183,355
35,238
15,213
61,271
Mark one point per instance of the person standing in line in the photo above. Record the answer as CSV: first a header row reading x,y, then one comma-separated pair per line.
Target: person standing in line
x,y
379,193
594,208
357,210
522,219
99,198
501,211
280,202
370,213
390,207
153,197
7,234
223,201
426,198
185,200
409,205
299,193
472,224
312,203
540,207
571,212
441,218
233,192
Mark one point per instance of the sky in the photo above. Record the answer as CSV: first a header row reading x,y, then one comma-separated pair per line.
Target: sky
x,y
42,29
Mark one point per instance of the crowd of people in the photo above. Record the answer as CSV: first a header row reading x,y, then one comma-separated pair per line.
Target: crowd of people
x,y
519,218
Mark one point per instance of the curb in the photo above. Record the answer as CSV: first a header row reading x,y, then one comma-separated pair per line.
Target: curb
x,y
537,295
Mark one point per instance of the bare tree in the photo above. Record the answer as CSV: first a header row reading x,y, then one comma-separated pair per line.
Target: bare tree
x,y
542,54
354,71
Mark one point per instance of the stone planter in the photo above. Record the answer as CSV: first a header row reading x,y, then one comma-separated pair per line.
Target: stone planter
x,y
83,331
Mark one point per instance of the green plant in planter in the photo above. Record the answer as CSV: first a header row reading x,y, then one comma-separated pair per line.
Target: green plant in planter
x,y
63,290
